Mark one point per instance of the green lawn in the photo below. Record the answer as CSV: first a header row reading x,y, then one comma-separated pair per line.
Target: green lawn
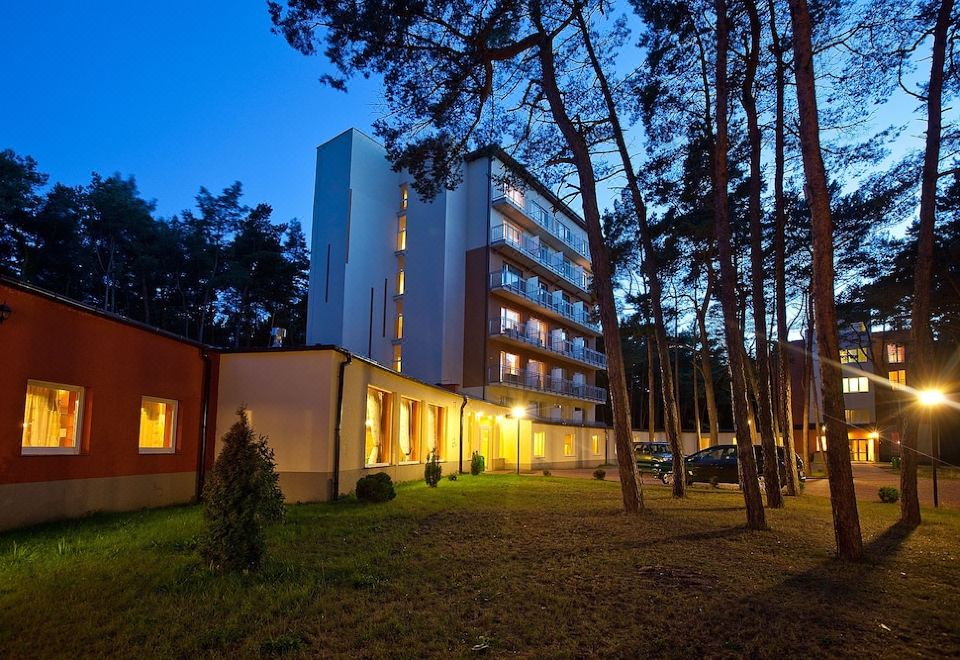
x,y
515,565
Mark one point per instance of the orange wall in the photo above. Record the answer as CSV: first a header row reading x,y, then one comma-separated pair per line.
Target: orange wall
x,y
116,363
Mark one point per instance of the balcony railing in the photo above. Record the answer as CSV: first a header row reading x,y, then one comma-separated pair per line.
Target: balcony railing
x,y
565,347
530,380
542,218
517,286
531,246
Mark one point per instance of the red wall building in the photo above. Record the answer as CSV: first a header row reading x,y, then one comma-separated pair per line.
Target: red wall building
x,y
97,412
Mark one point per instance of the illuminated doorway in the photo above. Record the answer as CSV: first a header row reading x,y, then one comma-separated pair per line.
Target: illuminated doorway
x,y
862,450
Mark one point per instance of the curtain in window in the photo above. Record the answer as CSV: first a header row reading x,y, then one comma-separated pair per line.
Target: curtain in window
x,y
433,430
374,437
406,431
42,425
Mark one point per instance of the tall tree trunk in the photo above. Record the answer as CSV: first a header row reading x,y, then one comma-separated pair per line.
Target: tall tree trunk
x,y
920,339
696,399
756,518
806,389
671,417
764,416
630,486
843,498
780,259
709,391
651,402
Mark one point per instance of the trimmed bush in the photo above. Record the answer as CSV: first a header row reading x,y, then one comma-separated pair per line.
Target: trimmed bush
x,y
895,462
242,492
376,488
478,464
546,473
889,494
599,474
452,476
432,470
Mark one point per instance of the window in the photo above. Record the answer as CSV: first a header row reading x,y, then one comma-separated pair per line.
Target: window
x,y
158,425
509,365
539,214
896,353
409,441
857,415
400,282
539,444
511,275
568,444
52,418
377,441
404,197
595,443
436,431
509,320
898,378
513,193
855,384
399,328
397,363
848,355
402,233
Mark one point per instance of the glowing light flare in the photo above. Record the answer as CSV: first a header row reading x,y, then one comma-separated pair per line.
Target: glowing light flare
x,y
931,397
518,412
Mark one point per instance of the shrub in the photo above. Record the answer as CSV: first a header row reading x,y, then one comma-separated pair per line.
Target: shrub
x,y
546,473
452,476
432,470
376,488
599,474
477,464
895,462
241,493
889,494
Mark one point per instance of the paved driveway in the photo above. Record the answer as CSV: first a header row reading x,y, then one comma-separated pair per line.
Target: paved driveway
x,y
867,477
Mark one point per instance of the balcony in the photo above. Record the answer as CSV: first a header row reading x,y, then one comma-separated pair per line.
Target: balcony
x,y
512,203
528,380
530,247
518,332
562,310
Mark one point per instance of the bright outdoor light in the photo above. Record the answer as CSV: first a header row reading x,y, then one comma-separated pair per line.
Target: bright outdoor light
x,y
518,412
930,397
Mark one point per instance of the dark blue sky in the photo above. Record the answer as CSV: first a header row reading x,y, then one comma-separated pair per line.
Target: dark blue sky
x,y
180,94
183,94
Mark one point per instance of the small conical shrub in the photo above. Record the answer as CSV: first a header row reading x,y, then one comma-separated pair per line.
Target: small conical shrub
x,y
241,493
477,464
432,471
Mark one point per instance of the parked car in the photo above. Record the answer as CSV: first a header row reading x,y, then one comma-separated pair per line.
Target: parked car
x,y
650,454
718,465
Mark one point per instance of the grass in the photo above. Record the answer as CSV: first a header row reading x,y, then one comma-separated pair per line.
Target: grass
x,y
502,564
926,472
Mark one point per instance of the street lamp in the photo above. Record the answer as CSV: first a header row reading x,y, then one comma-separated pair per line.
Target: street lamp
x,y
518,412
930,399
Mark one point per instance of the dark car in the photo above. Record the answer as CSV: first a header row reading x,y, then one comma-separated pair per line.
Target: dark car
x,y
718,465
650,454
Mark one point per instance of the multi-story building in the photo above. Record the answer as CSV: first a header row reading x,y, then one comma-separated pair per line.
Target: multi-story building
x,y
874,373
485,289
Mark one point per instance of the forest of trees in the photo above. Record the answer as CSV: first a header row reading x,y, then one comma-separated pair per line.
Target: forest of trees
x,y
752,180
222,273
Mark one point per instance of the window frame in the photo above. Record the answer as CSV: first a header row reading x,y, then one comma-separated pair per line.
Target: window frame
x,y
572,445
387,437
78,424
540,438
415,438
172,449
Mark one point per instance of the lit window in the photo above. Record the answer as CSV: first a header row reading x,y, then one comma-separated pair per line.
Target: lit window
x,y
400,282
539,444
896,353
404,197
399,333
409,441
509,320
513,193
509,365
857,416
377,441
898,378
158,425
849,355
52,418
568,444
402,233
595,441
396,358
855,384
435,431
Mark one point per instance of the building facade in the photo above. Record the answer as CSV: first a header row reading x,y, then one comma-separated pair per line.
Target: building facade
x,y
484,290
874,372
